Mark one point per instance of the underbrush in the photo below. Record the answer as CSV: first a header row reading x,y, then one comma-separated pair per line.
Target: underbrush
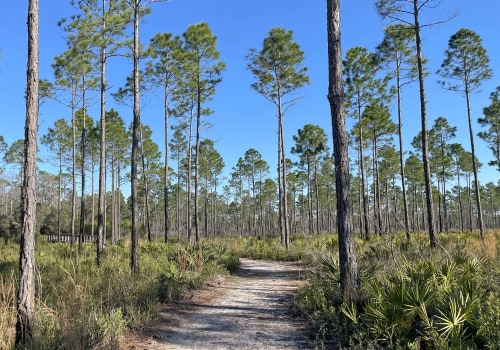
x,y
305,248
411,296
82,306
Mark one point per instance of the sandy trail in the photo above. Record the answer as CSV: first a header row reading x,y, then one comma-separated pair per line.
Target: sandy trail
x,y
249,310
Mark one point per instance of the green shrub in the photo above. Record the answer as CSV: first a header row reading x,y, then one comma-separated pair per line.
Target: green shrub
x,y
170,284
411,297
489,322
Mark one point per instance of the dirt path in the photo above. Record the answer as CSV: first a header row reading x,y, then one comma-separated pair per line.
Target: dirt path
x,y
249,310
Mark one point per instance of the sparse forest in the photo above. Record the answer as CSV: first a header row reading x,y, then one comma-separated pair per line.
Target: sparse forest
x,y
400,244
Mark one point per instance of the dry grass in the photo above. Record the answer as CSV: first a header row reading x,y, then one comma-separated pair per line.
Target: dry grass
x,y
7,310
490,243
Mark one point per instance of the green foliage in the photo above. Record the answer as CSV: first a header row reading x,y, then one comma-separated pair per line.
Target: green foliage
x,y
489,322
411,297
270,247
9,229
82,306
466,63
277,67
491,121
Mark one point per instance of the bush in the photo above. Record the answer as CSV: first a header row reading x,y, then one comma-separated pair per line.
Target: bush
x,y
83,306
411,297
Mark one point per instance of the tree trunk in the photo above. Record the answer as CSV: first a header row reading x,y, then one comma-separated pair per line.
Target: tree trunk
x,y
364,196
460,207
188,185
73,192
59,197
82,169
469,203
309,199
477,189
443,177
317,195
440,216
101,201
280,187
425,146
92,191
401,158
178,202
146,189
286,229
118,205
134,254
165,174
114,162
25,316
349,280
197,164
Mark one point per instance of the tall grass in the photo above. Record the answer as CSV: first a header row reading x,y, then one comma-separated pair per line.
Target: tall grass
x,y
305,248
82,306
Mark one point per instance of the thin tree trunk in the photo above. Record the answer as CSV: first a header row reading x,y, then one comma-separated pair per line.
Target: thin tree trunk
x,y
401,158
377,189
286,228
178,211
113,197
188,186
59,198
134,254
92,186
309,199
197,164
25,302
165,174
443,180
364,196
280,187
469,203
477,189
101,201
460,208
119,204
146,189
440,216
317,196
73,193
425,147
82,168
214,209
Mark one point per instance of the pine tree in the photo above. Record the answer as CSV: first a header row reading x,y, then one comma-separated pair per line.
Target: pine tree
x,y
409,12
203,72
492,121
279,75
397,50
362,89
57,141
311,146
439,136
162,71
465,67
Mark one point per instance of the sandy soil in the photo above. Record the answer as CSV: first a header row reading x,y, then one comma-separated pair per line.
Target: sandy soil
x,y
248,310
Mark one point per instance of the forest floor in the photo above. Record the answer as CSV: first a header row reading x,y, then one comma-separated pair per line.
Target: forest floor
x,y
250,309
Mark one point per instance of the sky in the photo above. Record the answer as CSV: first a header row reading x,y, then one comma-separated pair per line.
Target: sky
x,y
243,119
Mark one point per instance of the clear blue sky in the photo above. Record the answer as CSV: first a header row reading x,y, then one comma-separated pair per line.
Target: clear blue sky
x,y
243,119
